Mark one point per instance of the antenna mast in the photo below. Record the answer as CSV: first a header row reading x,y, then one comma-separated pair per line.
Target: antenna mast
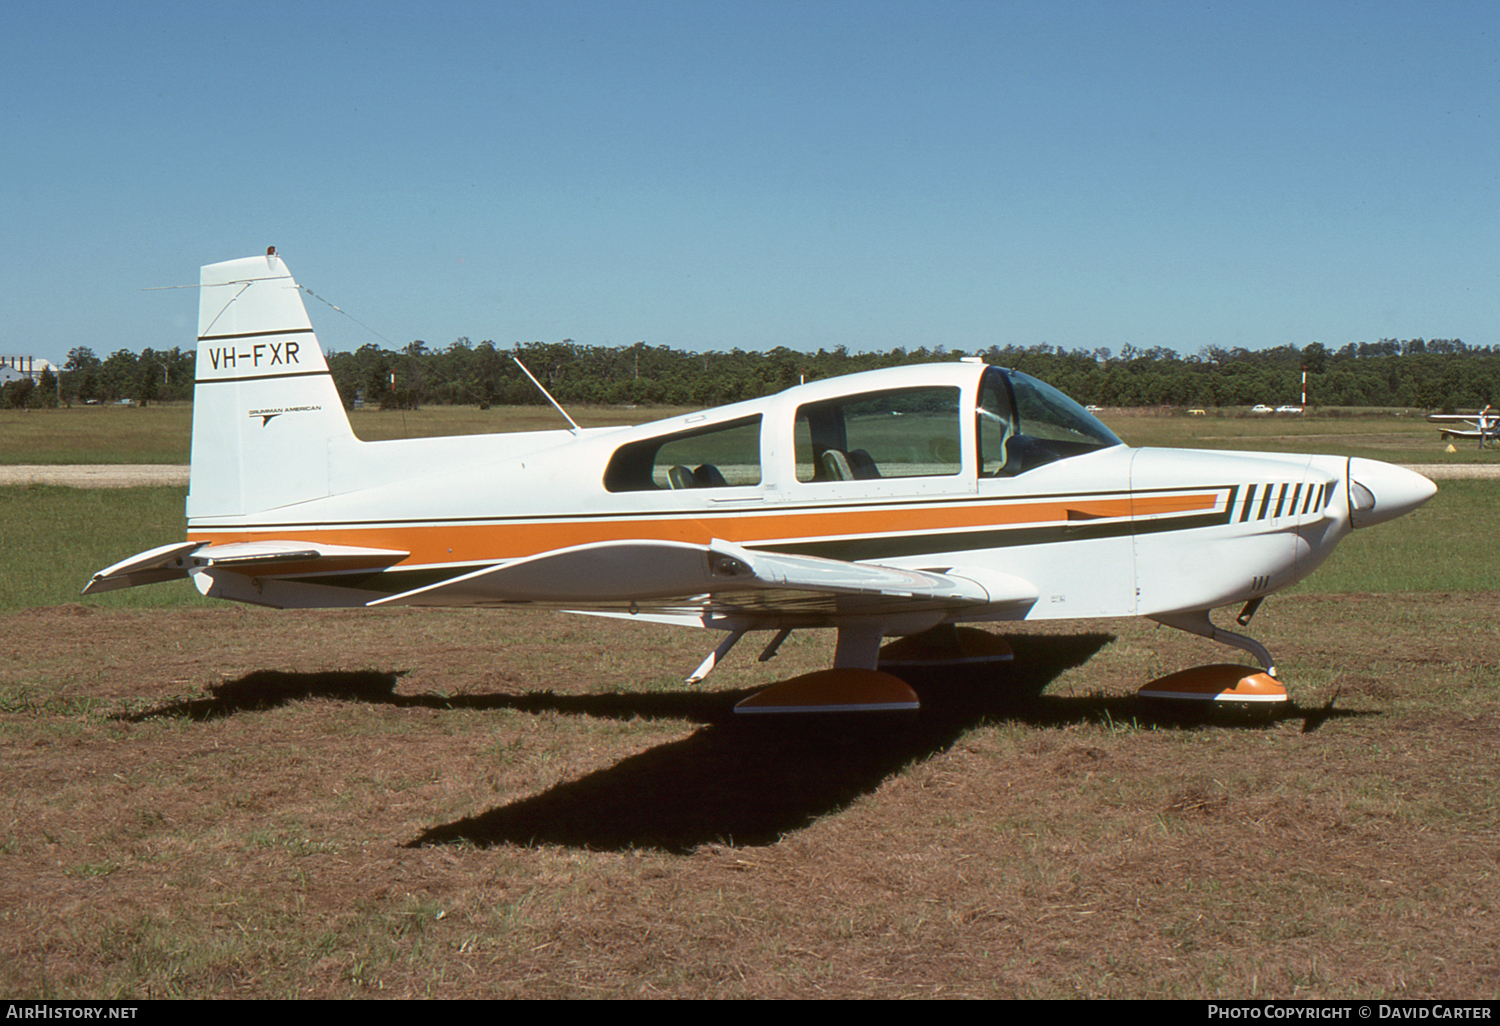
x,y
546,393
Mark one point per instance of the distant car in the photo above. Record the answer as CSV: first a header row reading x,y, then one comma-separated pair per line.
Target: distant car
x,y
1197,413
1261,408
1094,409
1288,409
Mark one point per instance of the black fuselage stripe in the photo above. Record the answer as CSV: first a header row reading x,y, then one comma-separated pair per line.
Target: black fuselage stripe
x,y
255,334
263,377
854,549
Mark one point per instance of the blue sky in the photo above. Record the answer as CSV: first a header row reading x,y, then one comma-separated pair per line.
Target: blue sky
x,y
711,175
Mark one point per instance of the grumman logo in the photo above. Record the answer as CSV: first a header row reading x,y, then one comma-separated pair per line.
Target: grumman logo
x,y
266,415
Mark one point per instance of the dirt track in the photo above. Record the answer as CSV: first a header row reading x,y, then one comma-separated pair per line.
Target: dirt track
x,y
128,475
102,475
1452,471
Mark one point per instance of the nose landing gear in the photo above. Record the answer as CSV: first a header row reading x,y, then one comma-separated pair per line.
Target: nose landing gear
x,y
1221,682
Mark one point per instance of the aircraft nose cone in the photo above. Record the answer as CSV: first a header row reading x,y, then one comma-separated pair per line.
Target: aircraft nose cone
x,y
1382,491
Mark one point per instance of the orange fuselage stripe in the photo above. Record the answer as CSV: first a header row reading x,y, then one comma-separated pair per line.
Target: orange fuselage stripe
x,y
468,542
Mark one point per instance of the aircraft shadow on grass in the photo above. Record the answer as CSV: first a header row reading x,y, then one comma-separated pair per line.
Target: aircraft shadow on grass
x,y
742,780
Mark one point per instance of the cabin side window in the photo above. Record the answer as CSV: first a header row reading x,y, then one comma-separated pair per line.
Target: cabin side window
x,y
994,423
911,432
722,456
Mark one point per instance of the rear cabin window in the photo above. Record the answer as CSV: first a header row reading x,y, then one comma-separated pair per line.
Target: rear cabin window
x,y
722,456
911,432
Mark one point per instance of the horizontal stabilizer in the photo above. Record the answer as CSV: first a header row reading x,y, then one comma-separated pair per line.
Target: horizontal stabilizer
x,y
163,563
170,562
251,555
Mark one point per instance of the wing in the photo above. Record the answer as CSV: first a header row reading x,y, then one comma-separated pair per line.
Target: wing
x,y
720,581
169,562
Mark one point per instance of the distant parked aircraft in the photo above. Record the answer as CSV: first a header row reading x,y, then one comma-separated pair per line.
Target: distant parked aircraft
x,y
1485,425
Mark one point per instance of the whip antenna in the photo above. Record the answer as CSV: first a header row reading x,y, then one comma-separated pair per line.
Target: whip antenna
x,y
546,393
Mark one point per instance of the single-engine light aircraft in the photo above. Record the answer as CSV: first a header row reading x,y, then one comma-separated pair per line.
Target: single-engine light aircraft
x,y
1484,425
890,503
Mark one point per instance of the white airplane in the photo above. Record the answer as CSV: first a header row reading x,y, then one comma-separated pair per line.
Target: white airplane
x,y
1484,425
890,503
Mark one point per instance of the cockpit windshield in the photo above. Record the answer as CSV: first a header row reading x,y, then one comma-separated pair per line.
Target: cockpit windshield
x,y
1024,423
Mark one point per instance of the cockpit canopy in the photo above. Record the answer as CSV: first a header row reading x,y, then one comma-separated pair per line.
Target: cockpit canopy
x,y
902,431
1024,423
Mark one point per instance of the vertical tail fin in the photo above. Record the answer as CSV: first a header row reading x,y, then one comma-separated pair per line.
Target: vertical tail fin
x,y
265,409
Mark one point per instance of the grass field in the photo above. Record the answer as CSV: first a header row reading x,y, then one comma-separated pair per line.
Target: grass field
x,y
1406,438
162,433
97,434
205,800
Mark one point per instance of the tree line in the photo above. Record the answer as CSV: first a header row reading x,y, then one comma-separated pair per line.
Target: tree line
x,y
1432,374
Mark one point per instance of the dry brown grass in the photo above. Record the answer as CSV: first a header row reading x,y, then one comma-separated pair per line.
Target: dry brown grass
x,y
235,802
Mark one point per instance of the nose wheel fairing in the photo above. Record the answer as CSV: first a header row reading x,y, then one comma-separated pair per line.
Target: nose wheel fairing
x,y
1222,682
